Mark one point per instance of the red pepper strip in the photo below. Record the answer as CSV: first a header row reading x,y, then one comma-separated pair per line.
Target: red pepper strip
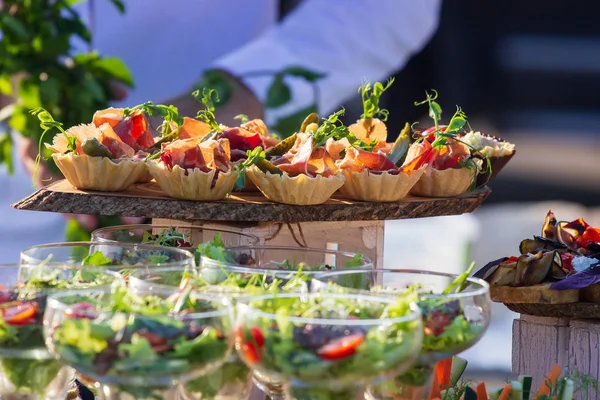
x,y
342,347
21,314
418,161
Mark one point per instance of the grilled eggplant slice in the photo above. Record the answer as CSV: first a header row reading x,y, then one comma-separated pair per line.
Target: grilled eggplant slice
x,y
549,228
504,275
538,243
488,269
557,271
535,267
566,235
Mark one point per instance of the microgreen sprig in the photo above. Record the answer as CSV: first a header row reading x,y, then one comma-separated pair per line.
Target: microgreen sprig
x,y
333,127
253,156
243,118
170,114
370,99
435,111
208,97
47,123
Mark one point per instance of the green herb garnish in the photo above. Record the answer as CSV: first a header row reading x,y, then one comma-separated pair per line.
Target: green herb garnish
x,y
370,99
47,123
208,97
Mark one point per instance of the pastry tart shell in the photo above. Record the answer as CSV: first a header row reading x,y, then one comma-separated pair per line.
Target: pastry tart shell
x,y
196,185
99,173
382,187
450,182
298,190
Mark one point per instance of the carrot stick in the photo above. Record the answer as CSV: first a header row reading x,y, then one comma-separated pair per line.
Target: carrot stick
x,y
505,392
481,391
435,388
444,370
549,380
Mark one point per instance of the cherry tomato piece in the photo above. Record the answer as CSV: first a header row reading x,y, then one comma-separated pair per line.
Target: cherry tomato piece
x,y
342,347
21,314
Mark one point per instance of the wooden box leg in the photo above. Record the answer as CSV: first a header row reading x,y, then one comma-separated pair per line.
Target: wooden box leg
x,y
539,343
584,350
364,237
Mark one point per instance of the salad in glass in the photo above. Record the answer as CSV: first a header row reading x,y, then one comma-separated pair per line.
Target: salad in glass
x,y
327,345
456,313
234,379
285,260
138,344
121,257
199,239
26,367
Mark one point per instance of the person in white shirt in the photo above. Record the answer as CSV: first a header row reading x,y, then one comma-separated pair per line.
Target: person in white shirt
x,y
167,45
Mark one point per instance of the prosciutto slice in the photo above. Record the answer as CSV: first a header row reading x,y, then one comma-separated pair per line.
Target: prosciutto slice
x,y
303,159
134,130
356,160
449,156
192,153
192,128
113,143
110,116
241,140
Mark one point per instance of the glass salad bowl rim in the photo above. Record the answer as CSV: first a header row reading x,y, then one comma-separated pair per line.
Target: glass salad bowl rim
x,y
482,289
367,262
130,227
116,278
55,303
29,259
413,315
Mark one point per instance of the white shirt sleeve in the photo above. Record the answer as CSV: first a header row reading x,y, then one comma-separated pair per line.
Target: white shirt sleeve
x,y
347,40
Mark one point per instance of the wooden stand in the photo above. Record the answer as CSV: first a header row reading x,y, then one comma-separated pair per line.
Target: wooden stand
x,y
540,342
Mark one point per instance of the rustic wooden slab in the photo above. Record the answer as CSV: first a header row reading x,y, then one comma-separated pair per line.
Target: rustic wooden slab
x,y
147,200
575,310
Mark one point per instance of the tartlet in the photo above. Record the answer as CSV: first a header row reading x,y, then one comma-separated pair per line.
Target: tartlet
x,y
193,169
101,160
499,152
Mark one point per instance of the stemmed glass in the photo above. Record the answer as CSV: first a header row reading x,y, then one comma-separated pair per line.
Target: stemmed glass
x,y
327,345
452,322
27,369
172,236
122,257
285,259
140,344
233,380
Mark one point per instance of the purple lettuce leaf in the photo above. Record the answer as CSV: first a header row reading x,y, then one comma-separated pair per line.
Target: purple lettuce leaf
x,y
579,280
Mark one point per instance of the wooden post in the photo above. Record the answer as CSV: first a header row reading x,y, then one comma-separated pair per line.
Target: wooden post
x,y
364,237
538,344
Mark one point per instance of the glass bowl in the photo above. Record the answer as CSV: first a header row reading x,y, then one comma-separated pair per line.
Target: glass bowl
x,y
122,257
234,379
280,261
452,322
138,344
27,370
173,236
327,345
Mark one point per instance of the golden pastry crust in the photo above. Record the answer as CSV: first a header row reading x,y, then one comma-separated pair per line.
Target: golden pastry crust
x,y
144,177
299,190
447,183
99,173
196,185
383,187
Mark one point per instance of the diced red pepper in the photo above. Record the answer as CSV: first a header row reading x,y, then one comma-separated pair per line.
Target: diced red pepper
x,y
257,336
342,347
251,343
250,353
21,314
510,260
567,262
590,235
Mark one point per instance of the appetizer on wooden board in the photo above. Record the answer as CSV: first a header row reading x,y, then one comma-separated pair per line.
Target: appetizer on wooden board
x,y
560,266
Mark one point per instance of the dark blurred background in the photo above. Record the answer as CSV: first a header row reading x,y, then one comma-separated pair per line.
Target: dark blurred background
x,y
525,71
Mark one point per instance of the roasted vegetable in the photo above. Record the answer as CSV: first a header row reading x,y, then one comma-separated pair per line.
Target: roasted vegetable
x,y
487,270
503,275
539,243
266,166
93,148
398,153
312,118
549,227
557,271
537,267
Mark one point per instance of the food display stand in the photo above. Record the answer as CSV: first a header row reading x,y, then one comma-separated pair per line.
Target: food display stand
x,y
338,224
